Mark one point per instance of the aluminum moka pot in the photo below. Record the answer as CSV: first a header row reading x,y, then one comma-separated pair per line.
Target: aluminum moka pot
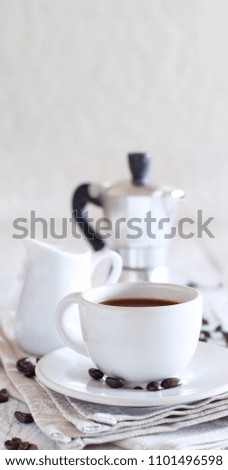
x,y
138,217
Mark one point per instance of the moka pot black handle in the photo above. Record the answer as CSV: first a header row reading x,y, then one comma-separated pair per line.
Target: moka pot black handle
x,y
81,198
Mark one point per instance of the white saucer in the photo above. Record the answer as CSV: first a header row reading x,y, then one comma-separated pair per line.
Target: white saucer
x,y
66,372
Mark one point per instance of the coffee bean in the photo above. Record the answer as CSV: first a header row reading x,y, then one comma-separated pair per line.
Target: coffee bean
x,y
170,382
203,337
32,447
23,445
17,440
25,418
218,328
29,370
21,363
96,374
138,388
192,284
26,367
205,321
114,382
17,444
11,445
153,386
4,395
225,335
206,334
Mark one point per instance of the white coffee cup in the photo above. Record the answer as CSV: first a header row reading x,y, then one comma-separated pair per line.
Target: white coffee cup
x,y
137,344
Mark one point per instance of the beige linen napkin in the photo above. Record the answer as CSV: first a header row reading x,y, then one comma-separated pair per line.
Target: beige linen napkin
x,y
10,427
201,437
75,424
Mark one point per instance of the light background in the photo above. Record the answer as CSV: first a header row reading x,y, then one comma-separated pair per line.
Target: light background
x,y
85,81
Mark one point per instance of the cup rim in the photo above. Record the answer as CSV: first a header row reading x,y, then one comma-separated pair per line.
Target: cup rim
x,y
195,294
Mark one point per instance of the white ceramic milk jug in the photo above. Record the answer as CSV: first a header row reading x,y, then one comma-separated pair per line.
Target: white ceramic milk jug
x,y
52,273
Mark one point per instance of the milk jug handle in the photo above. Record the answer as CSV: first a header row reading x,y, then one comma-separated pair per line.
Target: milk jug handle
x,y
116,264
81,198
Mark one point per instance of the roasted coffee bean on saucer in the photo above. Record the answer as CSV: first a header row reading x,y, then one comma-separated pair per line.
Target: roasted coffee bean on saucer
x,y
96,374
114,382
170,382
4,395
153,386
25,418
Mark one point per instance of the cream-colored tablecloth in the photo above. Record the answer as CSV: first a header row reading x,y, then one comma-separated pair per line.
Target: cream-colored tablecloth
x,y
64,423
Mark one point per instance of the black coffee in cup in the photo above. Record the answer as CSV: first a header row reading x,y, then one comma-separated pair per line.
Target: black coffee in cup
x,y
138,302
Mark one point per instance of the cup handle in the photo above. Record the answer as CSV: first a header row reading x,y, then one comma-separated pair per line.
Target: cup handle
x,y
116,260
65,323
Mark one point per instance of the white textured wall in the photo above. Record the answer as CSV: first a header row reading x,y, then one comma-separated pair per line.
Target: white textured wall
x,y
85,81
